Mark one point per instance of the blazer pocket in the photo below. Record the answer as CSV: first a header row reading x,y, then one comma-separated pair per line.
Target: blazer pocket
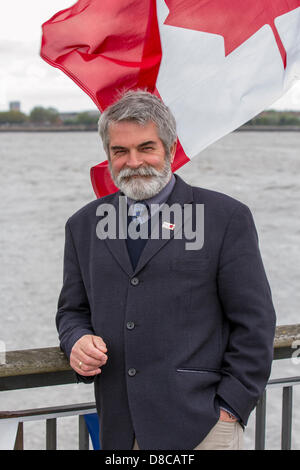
x,y
202,370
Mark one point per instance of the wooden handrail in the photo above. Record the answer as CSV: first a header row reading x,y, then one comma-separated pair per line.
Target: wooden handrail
x,y
34,361
52,360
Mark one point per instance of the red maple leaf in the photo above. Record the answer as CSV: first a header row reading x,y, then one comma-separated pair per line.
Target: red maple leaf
x,y
235,20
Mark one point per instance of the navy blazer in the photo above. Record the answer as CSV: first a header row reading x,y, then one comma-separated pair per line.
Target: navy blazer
x,y
181,329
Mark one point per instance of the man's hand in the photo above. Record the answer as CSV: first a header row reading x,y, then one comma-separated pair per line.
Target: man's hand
x,y
88,354
225,416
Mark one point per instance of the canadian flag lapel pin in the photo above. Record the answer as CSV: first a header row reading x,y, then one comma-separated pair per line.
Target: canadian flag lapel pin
x,y
168,225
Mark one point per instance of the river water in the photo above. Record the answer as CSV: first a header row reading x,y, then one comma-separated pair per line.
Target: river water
x,y
44,178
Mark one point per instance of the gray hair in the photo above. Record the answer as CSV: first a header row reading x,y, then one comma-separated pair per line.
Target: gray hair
x,y
141,107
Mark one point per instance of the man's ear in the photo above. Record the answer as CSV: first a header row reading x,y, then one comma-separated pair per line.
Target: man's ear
x,y
173,151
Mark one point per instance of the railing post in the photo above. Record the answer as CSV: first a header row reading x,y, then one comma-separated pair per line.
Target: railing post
x,y
51,434
260,423
19,443
286,423
83,434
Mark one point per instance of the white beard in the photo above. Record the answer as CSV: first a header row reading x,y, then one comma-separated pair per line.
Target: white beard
x,y
149,182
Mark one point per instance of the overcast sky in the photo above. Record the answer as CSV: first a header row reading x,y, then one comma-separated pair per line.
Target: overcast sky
x,y
25,77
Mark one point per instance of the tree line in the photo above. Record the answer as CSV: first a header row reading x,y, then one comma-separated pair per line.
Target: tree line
x,y
51,117
46,116
276,118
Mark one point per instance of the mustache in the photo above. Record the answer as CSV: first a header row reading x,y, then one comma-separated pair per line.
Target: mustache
x,y
143,171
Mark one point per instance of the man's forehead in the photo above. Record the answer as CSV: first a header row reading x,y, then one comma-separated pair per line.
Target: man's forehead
x,y
131,131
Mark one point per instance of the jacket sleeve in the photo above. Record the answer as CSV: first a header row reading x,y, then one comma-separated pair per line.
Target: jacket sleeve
x,y
73,318
247,304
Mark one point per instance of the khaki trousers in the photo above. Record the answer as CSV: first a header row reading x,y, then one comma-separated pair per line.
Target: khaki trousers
x,y
223,436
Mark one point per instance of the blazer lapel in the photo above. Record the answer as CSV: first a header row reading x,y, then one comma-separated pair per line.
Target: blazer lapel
x,y
181,194
117,246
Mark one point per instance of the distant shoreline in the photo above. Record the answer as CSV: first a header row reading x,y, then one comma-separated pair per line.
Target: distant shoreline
x,y
261,128
47,129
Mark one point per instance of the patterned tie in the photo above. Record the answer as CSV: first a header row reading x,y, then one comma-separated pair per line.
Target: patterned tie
x,y
139,212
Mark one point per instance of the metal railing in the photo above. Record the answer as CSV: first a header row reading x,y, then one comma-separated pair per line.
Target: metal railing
x,y
286,419
48,366
50,416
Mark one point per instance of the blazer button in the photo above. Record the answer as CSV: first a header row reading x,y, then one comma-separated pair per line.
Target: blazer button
x,y
134,281
130,325
131,372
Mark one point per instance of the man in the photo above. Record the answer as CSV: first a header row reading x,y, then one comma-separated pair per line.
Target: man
x,y
177,337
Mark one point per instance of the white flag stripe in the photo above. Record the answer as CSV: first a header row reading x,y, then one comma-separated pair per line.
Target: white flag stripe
x,y
288,27
210,94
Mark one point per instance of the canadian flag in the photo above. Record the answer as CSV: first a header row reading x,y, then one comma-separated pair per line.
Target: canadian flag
x,y
215,63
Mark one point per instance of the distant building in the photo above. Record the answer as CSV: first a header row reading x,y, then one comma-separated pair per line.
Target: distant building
x,y
64,116
68,116
15,106
95,113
